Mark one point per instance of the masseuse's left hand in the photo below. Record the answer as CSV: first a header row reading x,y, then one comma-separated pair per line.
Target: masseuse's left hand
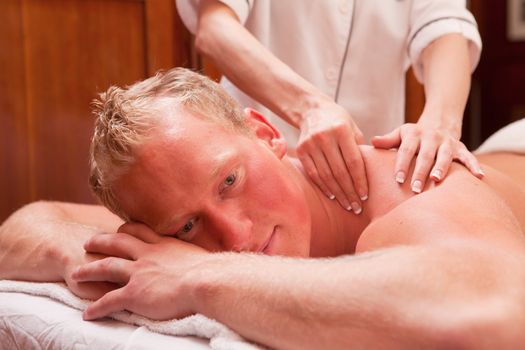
x,y
434,148
150,268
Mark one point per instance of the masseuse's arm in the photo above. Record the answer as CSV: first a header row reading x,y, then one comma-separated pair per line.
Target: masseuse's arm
x,y
423,282
435,137
43,241
328,141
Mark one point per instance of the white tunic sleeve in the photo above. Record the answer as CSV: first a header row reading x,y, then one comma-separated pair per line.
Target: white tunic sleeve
x,y
431,19
189,11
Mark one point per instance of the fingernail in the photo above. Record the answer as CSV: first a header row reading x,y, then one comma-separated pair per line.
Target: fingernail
x,y
416,186
436,174
364,198
356,208
346,205
481,172
400,177
330,196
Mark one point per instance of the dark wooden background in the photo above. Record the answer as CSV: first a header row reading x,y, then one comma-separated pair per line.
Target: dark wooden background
x,y
56,55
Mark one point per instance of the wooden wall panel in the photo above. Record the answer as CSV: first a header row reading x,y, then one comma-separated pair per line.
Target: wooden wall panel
x,y
15,185
74,48
57,55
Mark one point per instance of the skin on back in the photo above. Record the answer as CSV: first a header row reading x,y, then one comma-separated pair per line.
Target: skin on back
x,y
491,210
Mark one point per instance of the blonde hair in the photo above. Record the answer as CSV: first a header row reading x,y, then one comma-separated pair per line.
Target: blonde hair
x,y
126,118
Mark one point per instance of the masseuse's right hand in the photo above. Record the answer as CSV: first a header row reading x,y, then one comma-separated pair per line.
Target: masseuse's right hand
x,y
328,149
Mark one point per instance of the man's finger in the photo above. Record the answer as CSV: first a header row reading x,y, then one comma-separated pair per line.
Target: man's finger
x,y
109,269
115,244
111,302
424,162
140,231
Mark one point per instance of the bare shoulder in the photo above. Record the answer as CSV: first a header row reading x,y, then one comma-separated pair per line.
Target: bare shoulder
x,y
460,208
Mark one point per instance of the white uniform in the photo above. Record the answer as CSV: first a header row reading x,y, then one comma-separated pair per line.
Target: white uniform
x,y
356,51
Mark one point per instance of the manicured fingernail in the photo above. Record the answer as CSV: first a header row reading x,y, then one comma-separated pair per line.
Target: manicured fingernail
x,y
356,208
346,205
400,177
416,186
330,196
481,172
364,198
436,174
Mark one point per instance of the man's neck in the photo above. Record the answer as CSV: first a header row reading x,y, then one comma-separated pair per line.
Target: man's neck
x,y
335,231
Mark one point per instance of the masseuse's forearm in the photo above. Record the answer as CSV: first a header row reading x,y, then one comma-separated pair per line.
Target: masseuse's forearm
x,y
447,77
389,299
253,68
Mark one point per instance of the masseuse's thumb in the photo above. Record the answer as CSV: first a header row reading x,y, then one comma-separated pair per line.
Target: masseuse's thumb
x,y
387,141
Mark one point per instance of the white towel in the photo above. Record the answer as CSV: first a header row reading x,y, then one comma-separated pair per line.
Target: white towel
x,y
221,337
511,138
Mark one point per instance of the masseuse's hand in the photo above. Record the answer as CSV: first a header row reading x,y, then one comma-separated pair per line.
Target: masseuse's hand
x,y
151,270
434,149
329,153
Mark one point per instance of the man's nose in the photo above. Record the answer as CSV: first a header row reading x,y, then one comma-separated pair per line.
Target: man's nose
x,y
231,226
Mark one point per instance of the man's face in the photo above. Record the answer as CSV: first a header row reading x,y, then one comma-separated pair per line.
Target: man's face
x,y
218,189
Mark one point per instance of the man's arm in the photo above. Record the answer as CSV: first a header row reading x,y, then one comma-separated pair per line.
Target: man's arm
x,y
326,128
43,241
439,277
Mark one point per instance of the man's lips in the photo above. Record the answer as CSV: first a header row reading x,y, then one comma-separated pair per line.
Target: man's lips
x,y
266,244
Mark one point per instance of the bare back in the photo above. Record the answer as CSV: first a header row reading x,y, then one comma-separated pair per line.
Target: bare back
x,y
461,207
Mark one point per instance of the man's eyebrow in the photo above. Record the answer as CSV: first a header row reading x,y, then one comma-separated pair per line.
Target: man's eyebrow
x,y
220,163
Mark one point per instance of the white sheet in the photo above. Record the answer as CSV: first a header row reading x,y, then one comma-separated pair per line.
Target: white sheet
x,y
48,316
510,138
29,322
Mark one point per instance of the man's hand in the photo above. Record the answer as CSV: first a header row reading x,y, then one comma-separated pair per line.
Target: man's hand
x,y
149,267
328,150
434,150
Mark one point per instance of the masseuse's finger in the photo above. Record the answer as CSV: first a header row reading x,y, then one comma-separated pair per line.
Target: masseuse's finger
x,y
115,244
424,162
470,161
111,302
355,164
311,171
443,160
325,173
405,155
140,231
388,141
342,176
109,269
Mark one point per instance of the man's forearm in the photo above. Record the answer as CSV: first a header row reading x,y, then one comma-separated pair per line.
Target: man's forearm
x,y
447,77
37,241
252,67
397,298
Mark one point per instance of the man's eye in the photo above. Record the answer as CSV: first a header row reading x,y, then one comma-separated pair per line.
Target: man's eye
x,y
230,180
184,232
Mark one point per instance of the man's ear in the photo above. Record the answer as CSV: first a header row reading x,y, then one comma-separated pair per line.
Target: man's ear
x,y
266,132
